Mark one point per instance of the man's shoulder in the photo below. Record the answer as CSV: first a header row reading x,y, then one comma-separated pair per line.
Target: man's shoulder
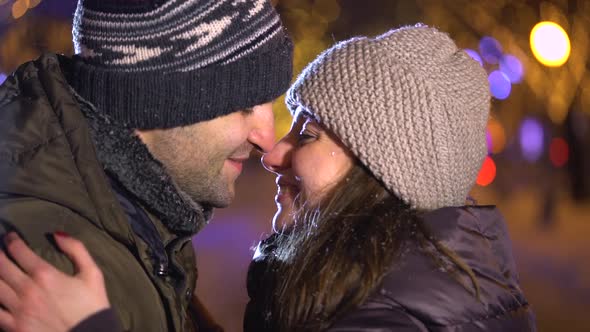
x,y
48,66
33,100
36,219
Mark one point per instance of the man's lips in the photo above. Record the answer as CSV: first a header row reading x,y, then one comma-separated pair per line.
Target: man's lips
x,y
237,162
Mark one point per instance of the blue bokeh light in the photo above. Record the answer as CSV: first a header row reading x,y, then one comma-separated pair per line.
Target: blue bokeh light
x,y
490,49
500,86
531,139
512,67
2,78
473,54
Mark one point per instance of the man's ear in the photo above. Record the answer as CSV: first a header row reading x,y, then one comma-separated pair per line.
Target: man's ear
x,y
148,136
142,134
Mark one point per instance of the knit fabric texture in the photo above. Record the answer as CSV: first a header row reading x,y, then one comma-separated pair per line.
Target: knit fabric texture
x,y
167,63
410,105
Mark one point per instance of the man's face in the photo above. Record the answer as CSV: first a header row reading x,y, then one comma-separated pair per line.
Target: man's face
x,y
205,159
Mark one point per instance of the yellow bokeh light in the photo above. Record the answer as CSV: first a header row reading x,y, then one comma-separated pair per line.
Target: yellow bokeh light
x,y
19,8
550,44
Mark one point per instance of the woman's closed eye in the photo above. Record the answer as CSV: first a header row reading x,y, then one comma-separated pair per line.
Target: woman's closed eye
x,y
305,137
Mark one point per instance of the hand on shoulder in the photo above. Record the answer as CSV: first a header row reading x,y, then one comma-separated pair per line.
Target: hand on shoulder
x,y
35,296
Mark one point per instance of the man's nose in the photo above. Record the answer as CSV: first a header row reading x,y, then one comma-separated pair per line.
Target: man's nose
x,y
262,135
279,158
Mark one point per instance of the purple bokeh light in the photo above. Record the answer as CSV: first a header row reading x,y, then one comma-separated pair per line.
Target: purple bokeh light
x,y
512,67
490,49
500,85
2,78
473,54
531,139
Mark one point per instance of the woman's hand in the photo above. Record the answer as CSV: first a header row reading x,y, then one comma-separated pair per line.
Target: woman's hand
x,y
35,296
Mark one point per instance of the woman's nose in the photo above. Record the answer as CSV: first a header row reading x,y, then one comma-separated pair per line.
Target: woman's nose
x,y
279,158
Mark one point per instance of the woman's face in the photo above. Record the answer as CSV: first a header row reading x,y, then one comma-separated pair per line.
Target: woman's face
x,y
308,160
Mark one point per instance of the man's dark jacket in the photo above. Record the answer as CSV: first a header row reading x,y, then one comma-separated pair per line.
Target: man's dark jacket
x,y
51,179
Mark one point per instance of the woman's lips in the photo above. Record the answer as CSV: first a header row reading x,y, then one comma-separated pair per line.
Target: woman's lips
x,y
286,189
285,194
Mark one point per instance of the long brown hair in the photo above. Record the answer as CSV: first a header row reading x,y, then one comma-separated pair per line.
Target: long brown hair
x,y
338,251
335,253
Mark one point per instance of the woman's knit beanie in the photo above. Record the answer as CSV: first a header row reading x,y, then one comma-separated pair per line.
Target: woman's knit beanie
x,y
410,105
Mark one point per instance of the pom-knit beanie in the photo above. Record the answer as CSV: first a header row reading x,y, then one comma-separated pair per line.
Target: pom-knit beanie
x,y
168,63
410,105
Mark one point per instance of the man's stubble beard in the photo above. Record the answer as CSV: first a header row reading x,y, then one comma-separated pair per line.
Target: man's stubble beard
x,y
204,184
198,175
210,190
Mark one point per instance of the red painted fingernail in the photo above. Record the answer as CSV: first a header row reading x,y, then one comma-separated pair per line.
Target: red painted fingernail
x,y
10,237
61,234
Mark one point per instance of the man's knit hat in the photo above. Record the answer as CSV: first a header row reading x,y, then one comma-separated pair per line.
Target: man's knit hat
x,y
410,105
167,63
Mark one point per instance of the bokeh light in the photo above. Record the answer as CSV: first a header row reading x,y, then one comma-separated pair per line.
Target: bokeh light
x,y
559,152
474,55
487,173
531,139
19,8
497,136
2,78
512,68
491,50
500,85
550,44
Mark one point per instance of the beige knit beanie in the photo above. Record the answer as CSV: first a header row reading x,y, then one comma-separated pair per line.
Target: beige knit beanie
x,y
410,105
